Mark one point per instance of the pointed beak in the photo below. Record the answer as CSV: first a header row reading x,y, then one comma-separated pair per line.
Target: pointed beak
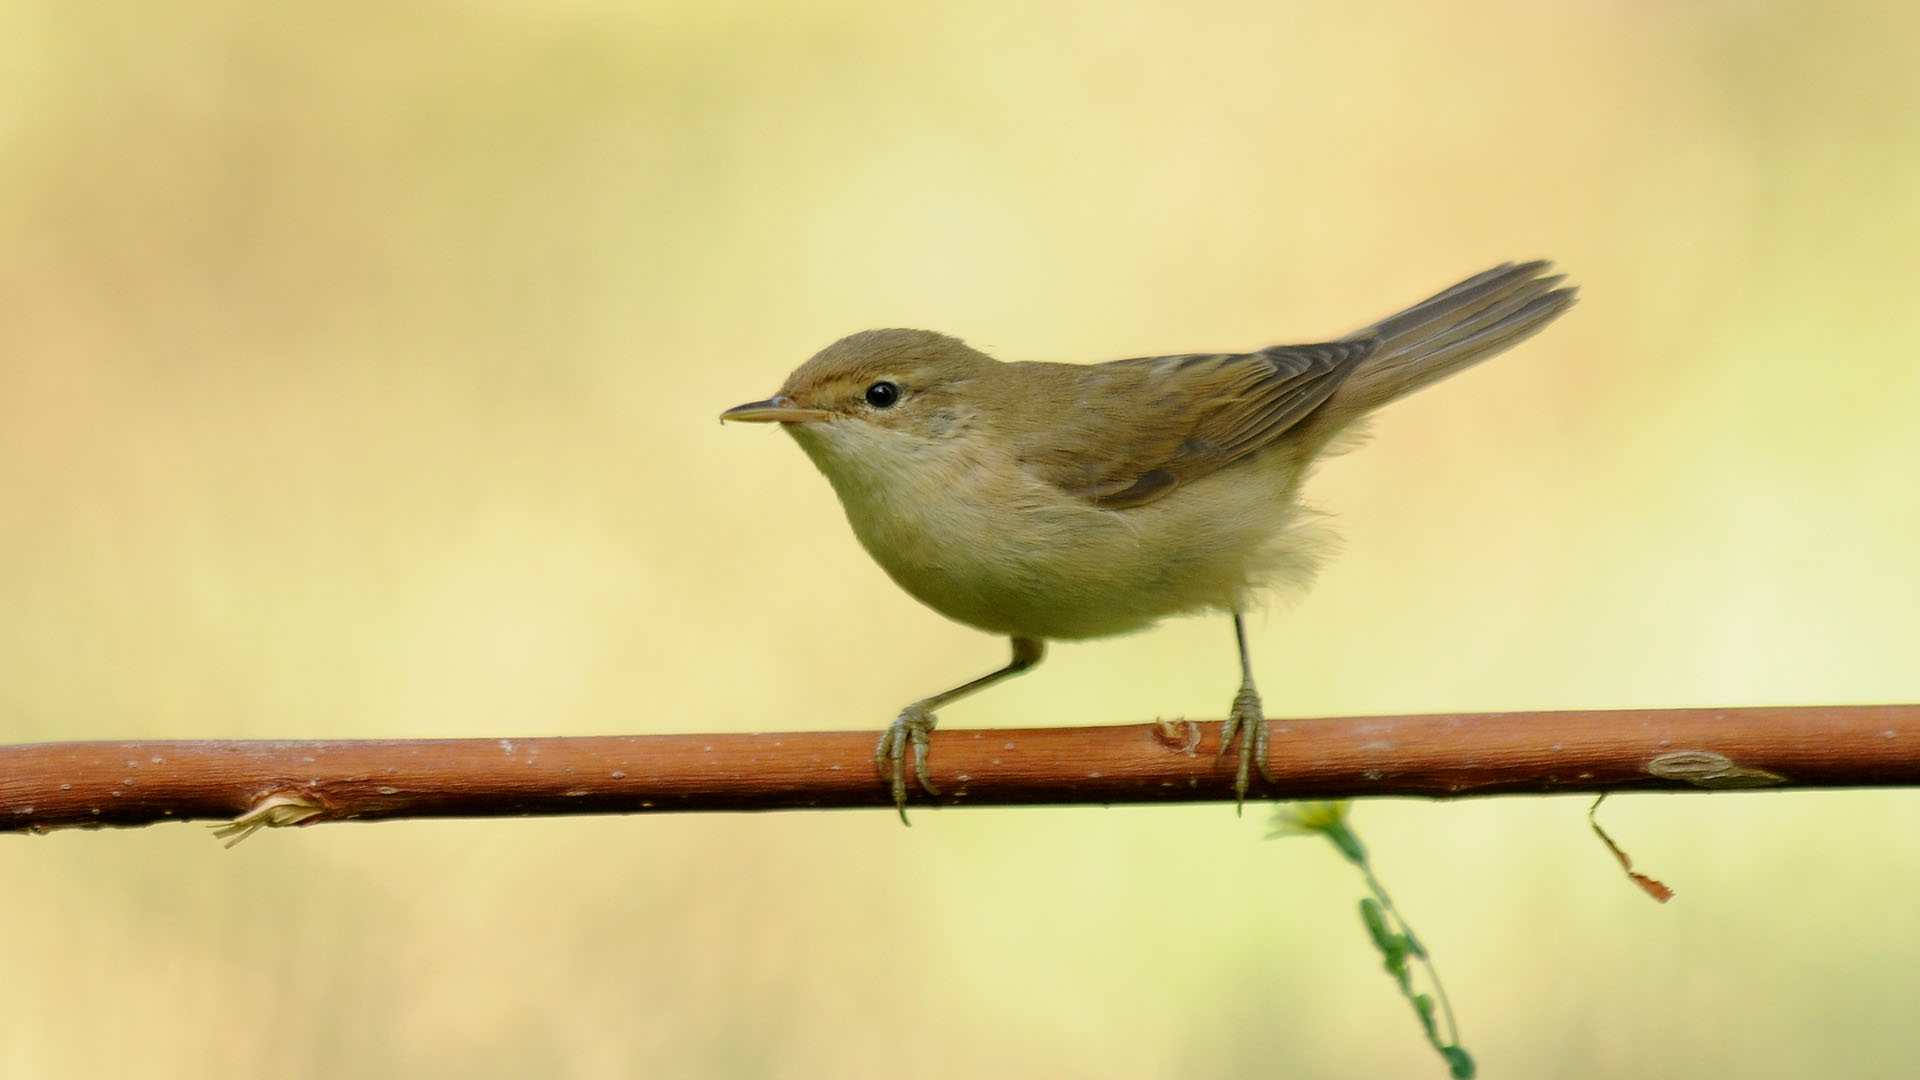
x,y
778,409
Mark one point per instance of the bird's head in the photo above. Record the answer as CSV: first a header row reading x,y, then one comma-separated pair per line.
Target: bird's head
x,y
878,391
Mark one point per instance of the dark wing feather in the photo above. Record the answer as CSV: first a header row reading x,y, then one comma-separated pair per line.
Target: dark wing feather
x,y
1140,428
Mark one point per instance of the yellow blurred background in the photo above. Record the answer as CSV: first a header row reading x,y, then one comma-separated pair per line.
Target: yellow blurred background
x,y
359,366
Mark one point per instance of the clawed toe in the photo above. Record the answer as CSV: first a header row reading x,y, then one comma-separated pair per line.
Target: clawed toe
x,y
1247,720
909,728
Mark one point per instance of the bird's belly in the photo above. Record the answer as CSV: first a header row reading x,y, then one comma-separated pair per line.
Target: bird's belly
x,y
1030,560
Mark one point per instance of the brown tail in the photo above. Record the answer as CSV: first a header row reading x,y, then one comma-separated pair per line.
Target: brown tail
x,y
1447,332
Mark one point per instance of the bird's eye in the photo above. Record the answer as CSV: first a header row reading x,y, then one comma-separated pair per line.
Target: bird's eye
x,y
882,395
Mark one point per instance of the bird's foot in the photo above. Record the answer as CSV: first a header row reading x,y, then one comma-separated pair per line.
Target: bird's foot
x,y
910,727
1248,721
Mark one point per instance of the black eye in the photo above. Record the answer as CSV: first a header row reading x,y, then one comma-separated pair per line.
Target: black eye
x,y
882,395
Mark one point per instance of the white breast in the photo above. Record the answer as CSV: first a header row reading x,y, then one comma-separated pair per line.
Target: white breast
x,y
978,539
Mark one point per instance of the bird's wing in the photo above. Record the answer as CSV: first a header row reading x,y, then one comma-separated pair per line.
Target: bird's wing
x,y
1137,429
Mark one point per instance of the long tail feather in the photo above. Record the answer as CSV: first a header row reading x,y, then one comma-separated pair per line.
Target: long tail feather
x,y
1449,331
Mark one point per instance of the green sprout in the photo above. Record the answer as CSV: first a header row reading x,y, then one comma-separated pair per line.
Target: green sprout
x,y
1398,946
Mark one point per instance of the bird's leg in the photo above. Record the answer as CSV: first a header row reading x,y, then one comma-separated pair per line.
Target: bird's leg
x,y
1246,719
917,720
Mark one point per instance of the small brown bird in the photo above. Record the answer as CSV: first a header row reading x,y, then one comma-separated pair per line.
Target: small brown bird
x,y
1075,501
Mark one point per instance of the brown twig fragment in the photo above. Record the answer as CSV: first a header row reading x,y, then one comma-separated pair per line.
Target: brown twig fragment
x,y
254,783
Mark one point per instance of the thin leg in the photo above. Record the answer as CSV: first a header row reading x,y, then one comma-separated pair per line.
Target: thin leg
x,y
917,720
1248,717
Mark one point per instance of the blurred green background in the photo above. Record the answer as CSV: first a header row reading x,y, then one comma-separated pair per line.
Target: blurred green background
x,y
359,366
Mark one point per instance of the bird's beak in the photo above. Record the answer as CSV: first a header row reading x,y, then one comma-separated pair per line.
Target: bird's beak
x,y
778,409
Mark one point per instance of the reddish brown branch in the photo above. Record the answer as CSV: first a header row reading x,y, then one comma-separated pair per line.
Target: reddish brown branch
x,y
52,785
